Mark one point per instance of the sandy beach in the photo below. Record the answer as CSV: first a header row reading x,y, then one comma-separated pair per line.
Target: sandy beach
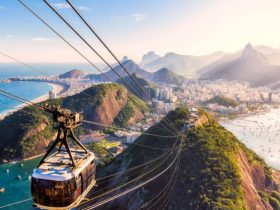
x,y
56,88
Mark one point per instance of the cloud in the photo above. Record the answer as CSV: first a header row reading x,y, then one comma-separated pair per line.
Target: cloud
x,y
135,18
67,6
84,8
2,7
138,17
61,6
40,39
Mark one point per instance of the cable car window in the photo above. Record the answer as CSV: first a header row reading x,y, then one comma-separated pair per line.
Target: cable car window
x,y
53,193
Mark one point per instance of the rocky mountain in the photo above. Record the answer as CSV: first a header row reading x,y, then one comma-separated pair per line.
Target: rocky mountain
x,y
75,73
149,58
25,135
131,67
140,80
222,101
180,64
212,171
257,65
166,76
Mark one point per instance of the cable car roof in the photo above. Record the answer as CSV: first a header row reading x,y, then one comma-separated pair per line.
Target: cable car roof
x,y
58,166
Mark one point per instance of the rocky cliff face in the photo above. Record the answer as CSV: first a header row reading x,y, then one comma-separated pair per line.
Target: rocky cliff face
x,y
27,133
113,102
215,171
34,139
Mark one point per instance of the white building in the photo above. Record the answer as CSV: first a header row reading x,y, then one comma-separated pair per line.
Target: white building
x,y
52,95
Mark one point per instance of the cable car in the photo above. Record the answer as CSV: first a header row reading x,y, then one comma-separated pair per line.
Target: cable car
x,y
56,185
64,177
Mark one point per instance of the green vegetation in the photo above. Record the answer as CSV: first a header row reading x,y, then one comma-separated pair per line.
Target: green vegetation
x,y
25,135
213,175
273,199
223,101
210,173
102,149
140,80
125,114
253,108
107,144
13,131
128,111
179,116
90,97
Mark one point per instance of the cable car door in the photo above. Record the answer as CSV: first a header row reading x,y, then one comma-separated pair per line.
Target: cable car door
x,y
80,184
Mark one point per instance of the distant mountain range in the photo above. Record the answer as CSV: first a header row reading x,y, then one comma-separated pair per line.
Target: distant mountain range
x,y
180,64
162,76
260,66
131,67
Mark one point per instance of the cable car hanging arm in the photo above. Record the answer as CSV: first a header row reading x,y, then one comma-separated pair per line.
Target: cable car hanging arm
x,y
64,122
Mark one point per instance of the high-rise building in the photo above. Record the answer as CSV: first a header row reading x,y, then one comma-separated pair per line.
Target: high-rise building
x,y
147,90
52,95
157,93
270,97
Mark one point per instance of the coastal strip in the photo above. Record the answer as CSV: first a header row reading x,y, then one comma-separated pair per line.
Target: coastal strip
x,y
56,89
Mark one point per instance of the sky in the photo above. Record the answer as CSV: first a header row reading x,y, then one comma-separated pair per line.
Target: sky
x,y
134,27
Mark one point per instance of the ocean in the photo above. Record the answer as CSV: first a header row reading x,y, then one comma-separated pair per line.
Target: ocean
x,y
30,90
261,133
15,189
26,90
12,70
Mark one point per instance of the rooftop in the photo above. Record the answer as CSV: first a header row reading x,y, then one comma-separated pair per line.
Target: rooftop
x,y
58,166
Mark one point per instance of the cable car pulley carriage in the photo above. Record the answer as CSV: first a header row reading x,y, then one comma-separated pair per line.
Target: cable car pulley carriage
x,y
65,176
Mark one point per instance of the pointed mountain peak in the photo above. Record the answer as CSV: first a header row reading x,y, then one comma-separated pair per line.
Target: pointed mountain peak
x,y
129,62
125,58
249,52
248,46
165,70
149,57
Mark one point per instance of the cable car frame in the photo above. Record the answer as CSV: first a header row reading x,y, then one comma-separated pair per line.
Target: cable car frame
x,y
63,177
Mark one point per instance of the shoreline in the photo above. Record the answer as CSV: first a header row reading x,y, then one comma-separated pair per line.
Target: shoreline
x,y
259,132
30,158
56,88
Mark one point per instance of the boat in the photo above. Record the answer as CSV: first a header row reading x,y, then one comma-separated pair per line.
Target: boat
x,y
19,177
5,81
2,189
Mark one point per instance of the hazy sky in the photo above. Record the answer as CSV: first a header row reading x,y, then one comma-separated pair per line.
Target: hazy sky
x,y
133,27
